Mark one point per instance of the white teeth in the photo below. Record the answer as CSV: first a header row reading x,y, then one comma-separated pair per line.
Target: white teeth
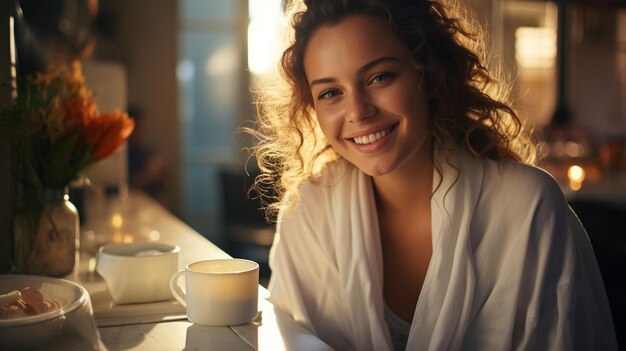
x,y
368,139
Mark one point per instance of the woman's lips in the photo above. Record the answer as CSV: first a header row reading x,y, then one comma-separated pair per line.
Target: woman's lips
x,y
373,137
373,141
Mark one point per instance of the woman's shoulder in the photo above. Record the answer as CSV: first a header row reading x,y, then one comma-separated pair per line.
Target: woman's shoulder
x,y
516,180
335,176
321,192
320,207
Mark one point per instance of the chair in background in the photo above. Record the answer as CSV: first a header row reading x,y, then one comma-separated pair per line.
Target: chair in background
x,y
247,234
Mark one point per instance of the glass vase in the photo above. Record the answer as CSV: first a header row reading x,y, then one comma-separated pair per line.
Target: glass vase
x,y
46,235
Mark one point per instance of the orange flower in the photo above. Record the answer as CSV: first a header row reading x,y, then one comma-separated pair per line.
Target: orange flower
x,y
57,110
79,112
105,133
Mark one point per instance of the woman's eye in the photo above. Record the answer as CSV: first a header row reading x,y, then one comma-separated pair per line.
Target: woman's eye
x,y
327,94
381,77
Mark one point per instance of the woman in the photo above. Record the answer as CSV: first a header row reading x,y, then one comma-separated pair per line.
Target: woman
x,y
410,215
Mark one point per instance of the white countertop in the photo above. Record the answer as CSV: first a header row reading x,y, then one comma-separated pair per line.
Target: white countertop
x,y
163,325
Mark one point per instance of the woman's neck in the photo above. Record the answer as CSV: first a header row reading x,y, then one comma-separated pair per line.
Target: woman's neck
x,y
401,189
404,214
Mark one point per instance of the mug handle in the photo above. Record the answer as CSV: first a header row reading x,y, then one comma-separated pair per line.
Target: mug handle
x,y
175,287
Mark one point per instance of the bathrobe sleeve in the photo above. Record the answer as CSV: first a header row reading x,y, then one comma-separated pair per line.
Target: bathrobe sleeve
x,y
568,308
304,281
540,288
327,262
562,303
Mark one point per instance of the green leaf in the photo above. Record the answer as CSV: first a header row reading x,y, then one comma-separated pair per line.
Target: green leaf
x,y
58,161
30,174
80,162
84,162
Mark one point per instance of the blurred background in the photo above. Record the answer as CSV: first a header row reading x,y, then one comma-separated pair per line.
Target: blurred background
x,y
184,70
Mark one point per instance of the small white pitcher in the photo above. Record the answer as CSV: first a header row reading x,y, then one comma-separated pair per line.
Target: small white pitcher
x,y
138,272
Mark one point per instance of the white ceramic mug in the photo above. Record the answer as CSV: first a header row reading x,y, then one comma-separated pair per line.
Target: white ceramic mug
x,y
219,292
138,272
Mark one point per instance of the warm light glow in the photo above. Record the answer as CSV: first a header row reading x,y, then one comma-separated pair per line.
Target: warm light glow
x,y
223,62
89,235
573,149
263,46
575,185
91,266
128,238
576,174
117,221
264,8
154,235
535,47
264,35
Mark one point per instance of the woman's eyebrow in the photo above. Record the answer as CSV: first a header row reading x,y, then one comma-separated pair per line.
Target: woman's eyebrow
x,y
364,68
377,62
322,81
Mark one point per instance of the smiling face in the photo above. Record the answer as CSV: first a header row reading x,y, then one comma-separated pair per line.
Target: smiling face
x,y
368,95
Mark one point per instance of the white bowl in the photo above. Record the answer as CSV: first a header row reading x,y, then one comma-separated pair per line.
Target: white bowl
x,y
75,315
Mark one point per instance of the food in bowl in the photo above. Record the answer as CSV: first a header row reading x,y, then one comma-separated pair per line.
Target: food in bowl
x,y
73,318
25,302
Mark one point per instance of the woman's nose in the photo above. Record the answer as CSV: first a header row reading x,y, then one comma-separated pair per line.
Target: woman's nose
x,y
360,108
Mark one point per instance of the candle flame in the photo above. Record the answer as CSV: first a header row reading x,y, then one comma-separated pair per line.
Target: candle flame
x,y
576,174
117,221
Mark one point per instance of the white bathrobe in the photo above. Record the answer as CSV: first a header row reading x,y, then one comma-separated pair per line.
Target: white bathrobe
x,y
511,269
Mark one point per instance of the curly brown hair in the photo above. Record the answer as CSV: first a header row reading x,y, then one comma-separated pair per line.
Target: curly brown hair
x,y
468,104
